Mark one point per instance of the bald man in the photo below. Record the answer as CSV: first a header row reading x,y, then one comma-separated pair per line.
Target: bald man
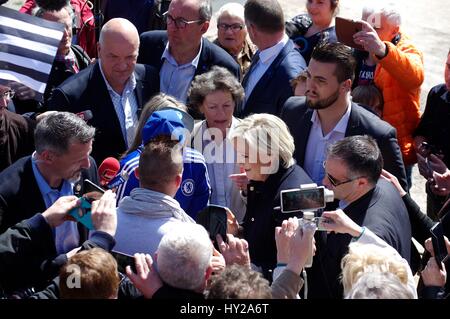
x,y
115,89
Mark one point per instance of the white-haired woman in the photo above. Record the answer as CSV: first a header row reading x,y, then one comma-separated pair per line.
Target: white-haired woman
x,y
265,147
232,35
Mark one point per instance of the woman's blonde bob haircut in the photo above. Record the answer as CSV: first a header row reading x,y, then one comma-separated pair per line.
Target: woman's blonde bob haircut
x,y
266,132
363,258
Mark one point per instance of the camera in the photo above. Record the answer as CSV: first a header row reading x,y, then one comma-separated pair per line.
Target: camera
x,y
309,197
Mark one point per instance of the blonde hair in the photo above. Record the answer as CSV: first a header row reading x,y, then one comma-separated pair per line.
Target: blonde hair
x,y
364,258
267,132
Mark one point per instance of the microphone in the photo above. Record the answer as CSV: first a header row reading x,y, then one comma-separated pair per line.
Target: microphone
x,y
85,115
107,170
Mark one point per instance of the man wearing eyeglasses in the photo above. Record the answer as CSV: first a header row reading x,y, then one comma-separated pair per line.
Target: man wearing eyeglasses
x,y
352,171
16,131
232,35
181,52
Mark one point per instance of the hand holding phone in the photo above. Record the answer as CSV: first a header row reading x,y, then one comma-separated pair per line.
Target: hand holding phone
x,y
82,213
214,219
346,29
124,260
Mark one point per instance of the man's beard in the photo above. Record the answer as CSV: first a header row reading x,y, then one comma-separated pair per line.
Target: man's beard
x,y
75,178
324,103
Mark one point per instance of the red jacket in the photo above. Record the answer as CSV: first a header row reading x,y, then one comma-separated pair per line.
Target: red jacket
x,y
399,76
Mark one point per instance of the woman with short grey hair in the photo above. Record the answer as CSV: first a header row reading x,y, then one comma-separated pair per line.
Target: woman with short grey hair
x,y
215,94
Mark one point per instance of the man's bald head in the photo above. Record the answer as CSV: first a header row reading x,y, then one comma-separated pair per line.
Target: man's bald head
x,y
118,49
119,28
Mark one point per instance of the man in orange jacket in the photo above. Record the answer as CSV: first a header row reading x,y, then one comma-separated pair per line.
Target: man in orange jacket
x,y
399,73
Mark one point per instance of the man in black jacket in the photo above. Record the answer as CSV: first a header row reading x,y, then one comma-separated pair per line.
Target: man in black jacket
x,y
57,168
328,115
352,170
181,52
115,89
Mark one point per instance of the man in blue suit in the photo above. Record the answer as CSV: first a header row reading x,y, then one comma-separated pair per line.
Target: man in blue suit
x,y
115,89
180,53
277,61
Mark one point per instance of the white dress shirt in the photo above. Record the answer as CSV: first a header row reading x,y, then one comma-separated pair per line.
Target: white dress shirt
x,y
317,144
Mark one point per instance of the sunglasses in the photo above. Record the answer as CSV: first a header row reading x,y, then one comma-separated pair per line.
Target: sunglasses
x,y
334,180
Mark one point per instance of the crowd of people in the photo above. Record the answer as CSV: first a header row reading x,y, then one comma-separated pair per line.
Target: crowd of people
x,y
268,106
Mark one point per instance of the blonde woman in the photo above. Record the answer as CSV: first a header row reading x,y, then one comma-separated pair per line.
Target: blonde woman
x,y
264,147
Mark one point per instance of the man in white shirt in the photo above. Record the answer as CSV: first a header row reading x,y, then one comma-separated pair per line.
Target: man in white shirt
x,y
267,83
115,89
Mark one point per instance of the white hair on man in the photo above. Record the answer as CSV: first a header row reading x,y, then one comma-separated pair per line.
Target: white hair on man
x,y
232,9
373,10
184,257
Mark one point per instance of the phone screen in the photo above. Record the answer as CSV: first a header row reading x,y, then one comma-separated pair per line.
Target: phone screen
x,y
345,29
90,187
439,247
123,260
302,199
214,219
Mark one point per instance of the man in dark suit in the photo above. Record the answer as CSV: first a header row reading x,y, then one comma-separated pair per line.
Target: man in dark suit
x,y
267,83
57,168
352,170
115,89
180,53
328,115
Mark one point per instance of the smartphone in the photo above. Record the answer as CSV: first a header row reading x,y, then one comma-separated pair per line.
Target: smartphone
x,y
214,219
82,213
89,187
345,29
297,199
124,260
439,247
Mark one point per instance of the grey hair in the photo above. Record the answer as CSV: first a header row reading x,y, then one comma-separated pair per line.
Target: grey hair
x,y
184,255
389,10
217,79
267,132
379,285
56,132
233,9
205,10
39,11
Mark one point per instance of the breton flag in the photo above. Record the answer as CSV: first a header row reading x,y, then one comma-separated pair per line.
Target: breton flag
x,y
28,47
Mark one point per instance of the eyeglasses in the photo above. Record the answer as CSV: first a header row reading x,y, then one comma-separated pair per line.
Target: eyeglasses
x,y
334,181
7,95
234,27
180,23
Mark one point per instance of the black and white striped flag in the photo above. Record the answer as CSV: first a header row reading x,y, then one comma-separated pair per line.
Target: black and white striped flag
x,y
28,47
